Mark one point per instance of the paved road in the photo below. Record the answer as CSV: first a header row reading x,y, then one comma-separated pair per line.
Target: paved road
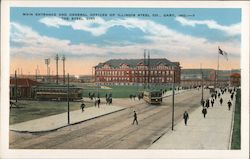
x,y
114,131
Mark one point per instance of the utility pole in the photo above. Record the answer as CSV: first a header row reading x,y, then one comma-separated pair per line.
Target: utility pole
x,y
16,86
63,59
149,70
173,90
57,58
36,73
68,100
93,79
47,62
144,76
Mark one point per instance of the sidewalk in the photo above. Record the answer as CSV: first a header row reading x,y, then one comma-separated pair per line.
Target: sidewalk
x,y
61,120
213,132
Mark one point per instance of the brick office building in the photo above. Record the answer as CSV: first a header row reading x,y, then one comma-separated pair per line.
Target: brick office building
x,y
133,71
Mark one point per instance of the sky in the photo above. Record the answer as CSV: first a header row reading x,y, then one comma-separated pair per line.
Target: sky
x,y
88,36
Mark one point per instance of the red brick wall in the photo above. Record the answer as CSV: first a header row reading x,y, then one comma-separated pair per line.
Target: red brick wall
x,y
133,75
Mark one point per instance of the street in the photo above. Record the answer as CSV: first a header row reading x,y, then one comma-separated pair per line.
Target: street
x,y
114,131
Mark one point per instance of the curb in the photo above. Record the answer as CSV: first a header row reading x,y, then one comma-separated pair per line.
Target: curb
x,y
55,129
232,125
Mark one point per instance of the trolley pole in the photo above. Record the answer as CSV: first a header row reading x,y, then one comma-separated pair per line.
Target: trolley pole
x,y
16,86
173,90
68,101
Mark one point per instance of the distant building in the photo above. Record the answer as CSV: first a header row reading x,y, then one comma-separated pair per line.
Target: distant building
x,y
137,71
235,80
86,79
24,88
193,77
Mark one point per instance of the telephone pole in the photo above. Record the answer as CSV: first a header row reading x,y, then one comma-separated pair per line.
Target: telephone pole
x,y
148,69
47,62
68,100
173,90
63,59
57,58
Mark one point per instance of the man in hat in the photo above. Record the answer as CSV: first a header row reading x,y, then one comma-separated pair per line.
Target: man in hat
x,y
135,118
185,117
229,104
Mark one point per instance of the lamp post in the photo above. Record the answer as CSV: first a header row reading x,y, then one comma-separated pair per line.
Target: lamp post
x,y
68,100
173,90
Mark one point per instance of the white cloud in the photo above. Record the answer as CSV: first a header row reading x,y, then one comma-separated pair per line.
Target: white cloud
x,y
31,43
99,26
167,42
234,29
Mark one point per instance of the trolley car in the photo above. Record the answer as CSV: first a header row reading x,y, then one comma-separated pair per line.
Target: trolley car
x,y
59,93
152,96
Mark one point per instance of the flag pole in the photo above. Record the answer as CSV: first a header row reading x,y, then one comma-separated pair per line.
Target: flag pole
x,y
218,63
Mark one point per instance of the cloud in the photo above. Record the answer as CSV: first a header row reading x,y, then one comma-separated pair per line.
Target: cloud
x,y
31,43
163,41
232,30
99,26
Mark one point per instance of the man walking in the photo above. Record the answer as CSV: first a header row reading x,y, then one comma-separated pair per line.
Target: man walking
x,y
185,117
212,102
82,107
98,102
229,104
135,118
232,96
204,112
207,103
221,101
202,103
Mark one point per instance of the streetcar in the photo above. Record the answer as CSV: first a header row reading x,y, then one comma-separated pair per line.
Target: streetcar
x,y
57,92
152,96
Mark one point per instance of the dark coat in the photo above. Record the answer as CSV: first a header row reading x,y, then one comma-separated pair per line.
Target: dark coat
x,y
204,111
185,116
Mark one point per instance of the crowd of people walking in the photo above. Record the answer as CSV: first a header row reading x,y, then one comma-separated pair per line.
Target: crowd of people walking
x,y
217,95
